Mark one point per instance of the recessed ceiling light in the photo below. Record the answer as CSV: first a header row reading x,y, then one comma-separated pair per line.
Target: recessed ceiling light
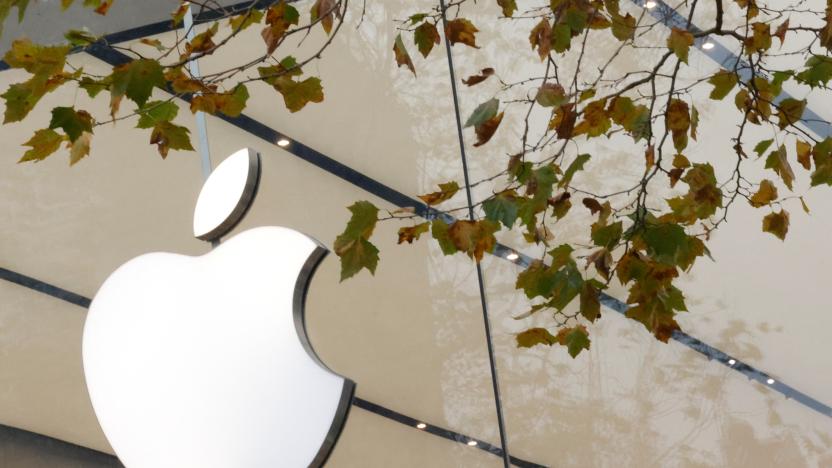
x,y
472,443
512,256
732,362
770,381
650,4
283,142
421,426
708,45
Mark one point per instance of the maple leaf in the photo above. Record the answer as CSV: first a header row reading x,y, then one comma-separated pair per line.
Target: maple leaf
x,y
446,192
135,80
425,37
410,233
279,18
486,129
576,339
508,6
502,207
80,148
483,113
551,95
804,152
72,122
353,246
766,194
325,11
243,21
777,224
167,136
679,42
778,163
479,78
790,111
723,82
401,55
575,166
540,38
230,104
462,31
533,337
474,238
43,144
155,112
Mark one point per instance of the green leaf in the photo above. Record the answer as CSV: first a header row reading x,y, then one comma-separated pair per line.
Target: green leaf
x,y
537,280
762,147
353,246
72,122
43,144
243,21
167,136
666,242
297,94
502,207
484,112
79,38
401,55
576,339
777,224
778,162
723,83
535,336
155,112
607,236
135,80
38,60
577,165
818,71
425,37
439,231
679,42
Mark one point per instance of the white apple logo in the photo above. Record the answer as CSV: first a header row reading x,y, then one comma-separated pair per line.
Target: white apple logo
x,y
204,361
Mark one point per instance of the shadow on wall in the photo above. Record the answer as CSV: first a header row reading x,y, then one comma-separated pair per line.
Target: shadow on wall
x,y
23,449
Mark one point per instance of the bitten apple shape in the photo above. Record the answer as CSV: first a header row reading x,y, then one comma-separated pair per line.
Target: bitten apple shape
x,y
204,361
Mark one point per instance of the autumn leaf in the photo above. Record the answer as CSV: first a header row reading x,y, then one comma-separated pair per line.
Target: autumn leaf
x,y
474,238
353,246
535,336
760,39
486,129
576,339
439,230
607,236
723,82
777,162
279,18
79,38
479,78
167,136
155,43
325,11
483,113
445,193
777,224
790,111
297,94
462,31
410,233
230,104
540,38
590,303
401,55
243,21
596,120
679,42
781,31
623,27
202,43
425,37
766,194
678,121
508,6
804,153
43,144
80,148
551,95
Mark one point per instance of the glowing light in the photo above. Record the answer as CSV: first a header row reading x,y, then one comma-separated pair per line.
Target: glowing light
x,y
472,443
283,142
732,361
650,4
512,256
770,381
226,194
708,45
421,426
